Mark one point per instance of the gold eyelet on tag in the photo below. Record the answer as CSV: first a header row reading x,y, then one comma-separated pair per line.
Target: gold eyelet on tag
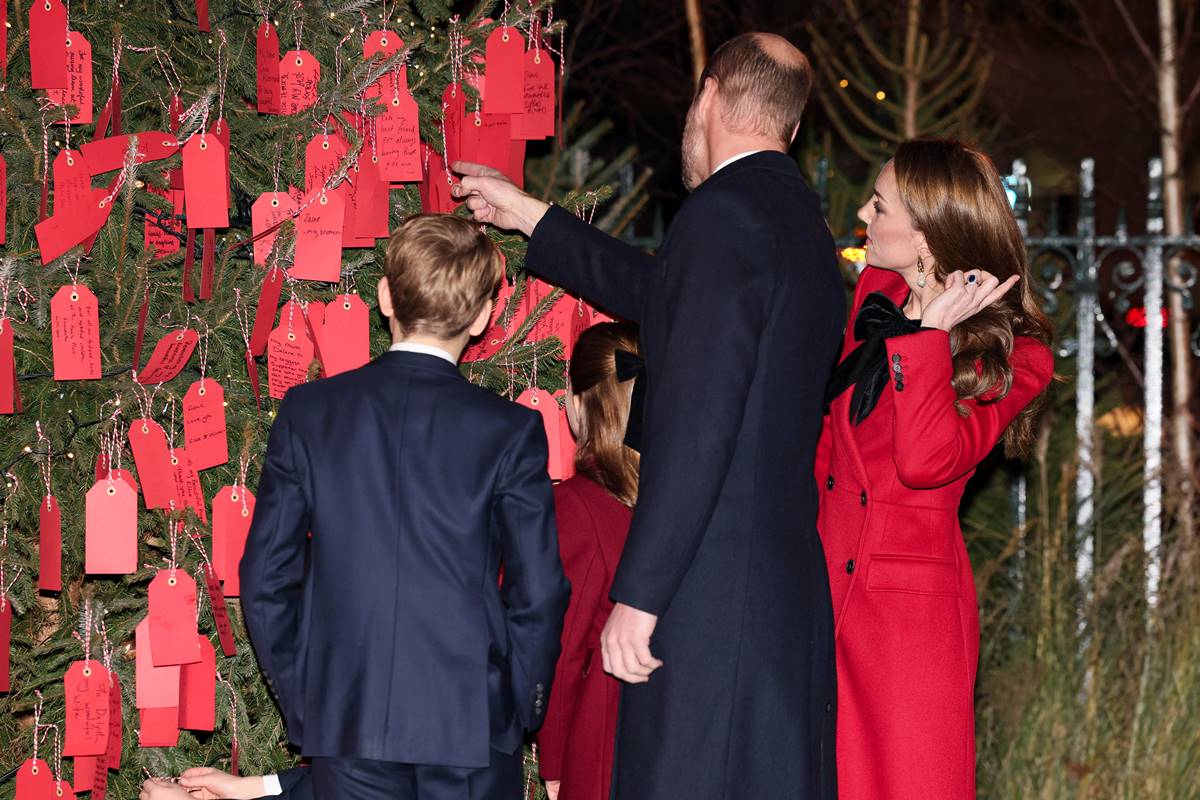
x,y
346,305
478,121
537,58
103,202
274,202
47,8
168,143
383,40
179,338
374,159
87,671
245,512
74,296
145,429
299,61
201,391
174,461
33,770
325,145
112,490
504,36
68,41
395,101
171,581
533,401
70,161
291,337
324,200
233,496
203,144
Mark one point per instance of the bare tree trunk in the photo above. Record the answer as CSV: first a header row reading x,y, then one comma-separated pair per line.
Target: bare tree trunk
x,y
912,79
1171,124
696,31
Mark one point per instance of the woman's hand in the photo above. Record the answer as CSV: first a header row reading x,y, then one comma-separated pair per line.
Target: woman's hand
x,y
159,789
963,295
209,783
552,789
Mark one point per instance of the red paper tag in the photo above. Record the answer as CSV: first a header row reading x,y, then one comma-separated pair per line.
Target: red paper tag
x,y
440,200
172,619
3,189
541,401
252,374
170,355
236,528
83,778
3,42
220,129
34,779
198,689
233,758
299,74
370,197
319,239
505,72
264,315
187,483
537,119
453,110
347,342
226,499
75,326
159,727
204,427
110,543
48,45
105,155
160,234
220,611
78,91
494,337
49,545
399,138
116,711
72,181
205,184
485,139
153,460
85,693
289,354
267,62
516,162
5,645
8,369
268,210
322,157
384,44
208,263
59,233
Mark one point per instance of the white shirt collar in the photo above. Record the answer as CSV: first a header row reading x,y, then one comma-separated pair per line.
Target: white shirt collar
x,y
429,350
732,159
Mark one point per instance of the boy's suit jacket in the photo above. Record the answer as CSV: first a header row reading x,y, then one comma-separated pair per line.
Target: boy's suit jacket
x,y
386,635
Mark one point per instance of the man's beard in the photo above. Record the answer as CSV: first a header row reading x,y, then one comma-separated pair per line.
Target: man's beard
x,y
692,147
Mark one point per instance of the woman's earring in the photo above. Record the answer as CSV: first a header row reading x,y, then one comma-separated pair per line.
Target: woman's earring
x,y
920,272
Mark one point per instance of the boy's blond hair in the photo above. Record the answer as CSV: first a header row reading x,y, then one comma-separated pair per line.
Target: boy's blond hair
x,y
440,270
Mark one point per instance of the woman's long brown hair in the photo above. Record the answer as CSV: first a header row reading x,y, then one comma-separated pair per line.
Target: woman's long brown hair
x,y
601,453
955,197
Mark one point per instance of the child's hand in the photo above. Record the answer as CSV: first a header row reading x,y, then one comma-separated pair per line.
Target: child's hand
x,y
159,789
210,783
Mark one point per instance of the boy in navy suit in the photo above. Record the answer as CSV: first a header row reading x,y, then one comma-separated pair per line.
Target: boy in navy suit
x,y
403,668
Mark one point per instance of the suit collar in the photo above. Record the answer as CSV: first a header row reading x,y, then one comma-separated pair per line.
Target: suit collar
x,y
763,159
409,359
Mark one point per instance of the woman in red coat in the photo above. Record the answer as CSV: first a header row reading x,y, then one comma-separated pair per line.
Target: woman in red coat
x,y
945,355
594,510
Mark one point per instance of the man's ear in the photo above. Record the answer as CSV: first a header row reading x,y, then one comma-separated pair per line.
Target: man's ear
x,y
385,298
481,321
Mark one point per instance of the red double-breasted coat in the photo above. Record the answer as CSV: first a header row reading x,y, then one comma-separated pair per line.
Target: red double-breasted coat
x,y
907,624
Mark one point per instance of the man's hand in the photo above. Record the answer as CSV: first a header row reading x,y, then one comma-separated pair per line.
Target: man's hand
x,y
209,783
494,199
159,789
625,644
552,789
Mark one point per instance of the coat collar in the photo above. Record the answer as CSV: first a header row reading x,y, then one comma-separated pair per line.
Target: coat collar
x,y
763,159
423,361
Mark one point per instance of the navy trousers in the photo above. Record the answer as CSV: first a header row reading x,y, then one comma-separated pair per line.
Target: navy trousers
x,y
364,779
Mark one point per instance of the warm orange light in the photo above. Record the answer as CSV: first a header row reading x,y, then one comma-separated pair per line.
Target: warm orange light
x,y
880,95
855,255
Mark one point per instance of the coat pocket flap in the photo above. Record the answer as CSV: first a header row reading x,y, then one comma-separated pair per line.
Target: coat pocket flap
x,y
913,574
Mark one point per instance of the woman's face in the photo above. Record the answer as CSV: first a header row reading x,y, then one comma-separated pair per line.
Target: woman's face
x,y
892,241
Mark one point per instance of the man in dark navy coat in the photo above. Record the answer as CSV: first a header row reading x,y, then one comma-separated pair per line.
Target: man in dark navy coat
x,y
723,629
402,667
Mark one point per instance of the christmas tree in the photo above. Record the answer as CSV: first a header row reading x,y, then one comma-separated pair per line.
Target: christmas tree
x,y
170,266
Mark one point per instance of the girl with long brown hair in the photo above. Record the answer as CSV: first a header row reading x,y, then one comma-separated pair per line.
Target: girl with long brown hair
x,y
946,354
593,510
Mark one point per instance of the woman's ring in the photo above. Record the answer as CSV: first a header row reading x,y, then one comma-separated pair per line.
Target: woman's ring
x,y
972,278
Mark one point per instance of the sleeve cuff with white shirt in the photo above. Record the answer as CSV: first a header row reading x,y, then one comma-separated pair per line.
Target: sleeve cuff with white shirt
x,y
271,786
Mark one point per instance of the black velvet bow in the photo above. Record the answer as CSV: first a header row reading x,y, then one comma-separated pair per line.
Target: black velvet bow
x,y
631,366
867,368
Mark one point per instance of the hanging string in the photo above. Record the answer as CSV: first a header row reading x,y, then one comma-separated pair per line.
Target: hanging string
x,y
44,464
222,72
84,635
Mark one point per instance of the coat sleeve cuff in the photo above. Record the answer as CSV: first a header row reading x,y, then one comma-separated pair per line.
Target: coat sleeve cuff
x,y
922,358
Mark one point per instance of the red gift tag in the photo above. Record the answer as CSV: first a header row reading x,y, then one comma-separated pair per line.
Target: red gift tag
x,y
85,693
505,72
198,689
227,499
453,110
153,460
5,645
116,712
233,757
220,129
319,239
187,483
398,135
3,41
47,44
159,727
252,374
34,779
8,369
204,427
270,209
83,778
322,157
516,162
440,199
347,340
264,315
72,181
236,529
205,183
267,68
59,233
105,155
3,189
220,611
537,118
544,403
172,620
75,326
78,91
289,355
384,44
485,140
494,337
371,195
299,74
49,545
161,234
125,476
110,539
170,355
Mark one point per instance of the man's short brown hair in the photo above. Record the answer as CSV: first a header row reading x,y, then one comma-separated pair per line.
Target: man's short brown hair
x,y
764,84
440,270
